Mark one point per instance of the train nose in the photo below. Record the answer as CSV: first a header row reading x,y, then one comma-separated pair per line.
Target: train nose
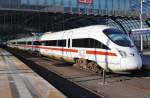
x,y
131,63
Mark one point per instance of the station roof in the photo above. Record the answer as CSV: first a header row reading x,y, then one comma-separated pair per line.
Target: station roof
x,y
25,17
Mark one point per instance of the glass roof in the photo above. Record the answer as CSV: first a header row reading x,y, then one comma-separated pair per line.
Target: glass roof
x,y
101,7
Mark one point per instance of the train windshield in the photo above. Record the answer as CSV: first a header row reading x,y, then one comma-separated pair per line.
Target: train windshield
x,y
119,37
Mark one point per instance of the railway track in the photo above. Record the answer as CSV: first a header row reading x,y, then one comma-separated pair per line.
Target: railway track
x,y
79,83
67,87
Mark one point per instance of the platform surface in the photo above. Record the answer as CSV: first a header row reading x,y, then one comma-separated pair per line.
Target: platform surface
x,y
18,81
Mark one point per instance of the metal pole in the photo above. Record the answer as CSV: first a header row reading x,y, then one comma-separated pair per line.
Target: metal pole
x,y
104,76
141,24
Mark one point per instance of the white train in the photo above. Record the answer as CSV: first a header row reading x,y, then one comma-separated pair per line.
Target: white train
x,y
97,46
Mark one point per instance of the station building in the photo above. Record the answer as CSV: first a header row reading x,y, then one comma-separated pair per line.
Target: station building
x,y
27,16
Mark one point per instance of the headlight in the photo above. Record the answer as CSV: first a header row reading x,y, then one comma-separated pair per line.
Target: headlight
x,y
122,53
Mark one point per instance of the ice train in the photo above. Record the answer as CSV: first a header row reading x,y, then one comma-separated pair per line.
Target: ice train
x,y
94,47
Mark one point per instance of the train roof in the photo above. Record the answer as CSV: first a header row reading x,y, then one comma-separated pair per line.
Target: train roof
x,y
87,27
76,31
26,39
93,27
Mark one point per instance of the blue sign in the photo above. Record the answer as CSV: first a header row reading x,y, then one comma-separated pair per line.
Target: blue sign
x,y
141,31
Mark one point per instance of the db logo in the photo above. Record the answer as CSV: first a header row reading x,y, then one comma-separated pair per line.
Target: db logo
x,y
86,1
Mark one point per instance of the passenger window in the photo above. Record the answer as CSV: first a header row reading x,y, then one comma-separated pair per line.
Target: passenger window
x,y
62,43
29,43
91,43
98,44
84,43
36,43
51,43
88,43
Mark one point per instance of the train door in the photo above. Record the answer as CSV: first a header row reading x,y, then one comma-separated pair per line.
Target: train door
x,y
37,44
101,54
90,52
32,44
69,43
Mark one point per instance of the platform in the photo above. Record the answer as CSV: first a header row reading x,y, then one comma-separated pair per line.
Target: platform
x,y
18,81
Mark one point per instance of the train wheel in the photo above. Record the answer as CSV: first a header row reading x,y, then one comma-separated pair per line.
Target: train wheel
x,y
77,63
81,63
39,54
87,65
93,67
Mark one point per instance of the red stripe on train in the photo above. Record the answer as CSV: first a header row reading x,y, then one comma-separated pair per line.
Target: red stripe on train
x,y
74,50
57,49
60,49
70,50
100,53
